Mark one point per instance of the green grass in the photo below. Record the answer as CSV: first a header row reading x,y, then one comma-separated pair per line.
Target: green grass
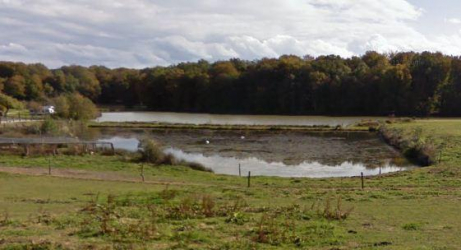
x,y
444,133
16,112
187,209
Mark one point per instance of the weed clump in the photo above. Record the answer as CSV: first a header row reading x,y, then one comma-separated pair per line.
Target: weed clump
x,y
151,152
195,166
238,218
411,227
336,213
187,219
281,226
5,221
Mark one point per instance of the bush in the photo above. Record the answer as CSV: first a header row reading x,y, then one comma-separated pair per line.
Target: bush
x,y
75,106
33,128
61,106
49,127
34,106
196,166
169,159
151,151
7,103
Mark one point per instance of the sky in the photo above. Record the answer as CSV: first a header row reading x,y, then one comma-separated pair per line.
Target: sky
x,y
147,33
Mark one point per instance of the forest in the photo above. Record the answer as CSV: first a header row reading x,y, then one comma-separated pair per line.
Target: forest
x,y
402,84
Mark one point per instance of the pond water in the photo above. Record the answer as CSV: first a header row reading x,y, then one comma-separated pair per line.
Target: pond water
x,y
184,118
282,153
230,166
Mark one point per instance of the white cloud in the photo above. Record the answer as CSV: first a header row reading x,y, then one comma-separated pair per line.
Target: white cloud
x,y
12,48
140,33
452,20
196,50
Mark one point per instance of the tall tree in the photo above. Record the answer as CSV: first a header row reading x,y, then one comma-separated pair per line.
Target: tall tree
x,y
8,102
16,87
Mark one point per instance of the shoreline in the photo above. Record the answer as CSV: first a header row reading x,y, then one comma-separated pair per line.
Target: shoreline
x,y
422,154
418,154
153,125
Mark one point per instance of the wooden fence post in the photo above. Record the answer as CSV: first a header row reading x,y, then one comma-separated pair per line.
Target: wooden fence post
x,y
240,171
49,166
249,179
142,172
363,184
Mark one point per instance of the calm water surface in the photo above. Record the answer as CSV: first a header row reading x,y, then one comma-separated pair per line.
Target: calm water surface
x,y
184,118
284,154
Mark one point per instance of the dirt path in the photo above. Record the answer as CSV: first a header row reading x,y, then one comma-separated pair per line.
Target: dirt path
x,y
88,175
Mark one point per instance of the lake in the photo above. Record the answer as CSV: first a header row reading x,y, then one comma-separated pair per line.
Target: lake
x,y
198,119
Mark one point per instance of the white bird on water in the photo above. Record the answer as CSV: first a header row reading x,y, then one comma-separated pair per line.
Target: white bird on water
x,y
242,137
207,142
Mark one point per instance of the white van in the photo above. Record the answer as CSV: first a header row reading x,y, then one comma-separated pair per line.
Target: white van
x,y
48,110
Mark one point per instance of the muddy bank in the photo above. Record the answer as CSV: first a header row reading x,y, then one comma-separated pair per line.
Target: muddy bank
x,y
419,152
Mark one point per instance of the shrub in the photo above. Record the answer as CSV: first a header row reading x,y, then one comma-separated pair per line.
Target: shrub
x,y
238,218
81,108
337,213
411,227
196,166
7,103
331,212
33,128
62,107
208,205
169,159
151,151
34,106
49,127
75,106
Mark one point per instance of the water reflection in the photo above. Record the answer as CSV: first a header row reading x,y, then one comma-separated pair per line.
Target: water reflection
x,y
185,118
129,144
286,154
229,166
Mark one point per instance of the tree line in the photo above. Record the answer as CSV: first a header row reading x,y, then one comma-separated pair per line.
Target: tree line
x,y
404,83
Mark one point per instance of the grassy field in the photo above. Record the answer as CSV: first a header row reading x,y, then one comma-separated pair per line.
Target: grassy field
x,y
179,208
443,134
